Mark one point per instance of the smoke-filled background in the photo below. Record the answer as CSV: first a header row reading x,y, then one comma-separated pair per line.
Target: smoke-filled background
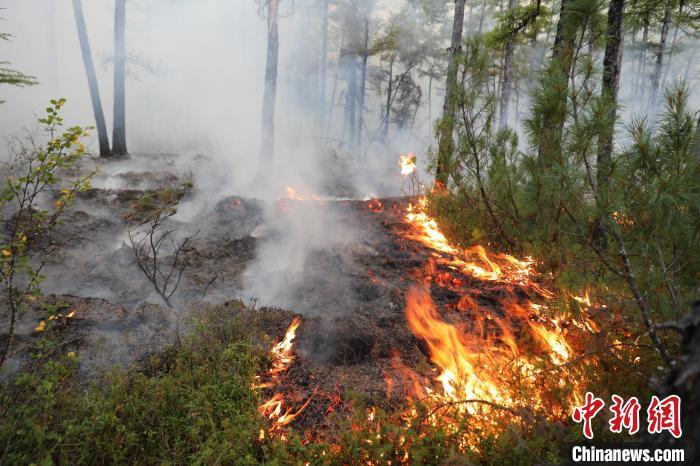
x,y
196,75
195,84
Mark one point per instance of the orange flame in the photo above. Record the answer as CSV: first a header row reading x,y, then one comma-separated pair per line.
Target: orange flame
x,y
282,358
407,163
477,362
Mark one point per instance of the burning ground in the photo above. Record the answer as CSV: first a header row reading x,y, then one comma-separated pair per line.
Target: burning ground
x,y
372,299
482,320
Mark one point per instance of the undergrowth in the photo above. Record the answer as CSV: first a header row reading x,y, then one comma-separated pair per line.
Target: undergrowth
x,y
194,404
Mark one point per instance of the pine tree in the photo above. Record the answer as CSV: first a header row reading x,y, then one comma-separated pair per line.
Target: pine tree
x,y
119,124
446,126
86,51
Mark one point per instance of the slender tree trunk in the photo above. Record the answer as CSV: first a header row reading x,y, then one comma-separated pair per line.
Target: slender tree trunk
x,y
389,92
331,105
53,52
668,66
555,116
642,59
446,130
267,145
351,100
351,56
430,104
506,75
119,123
658,68
363,84
92,79
482,14
322,71
612,65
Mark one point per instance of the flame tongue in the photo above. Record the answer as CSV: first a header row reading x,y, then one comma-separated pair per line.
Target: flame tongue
x,y
454,352
478,362
282,355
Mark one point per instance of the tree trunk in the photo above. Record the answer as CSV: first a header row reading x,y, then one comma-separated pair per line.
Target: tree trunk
x,y
639,92
53,52
446,130
267,145
351,100
119,124
363,84
506,75
92,79
430,104
482,15
656,79
664,80
555,116
612,65
322,71
389,92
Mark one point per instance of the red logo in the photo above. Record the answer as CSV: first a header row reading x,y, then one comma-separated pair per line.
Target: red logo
x,y
665,415
625,415
662,415
587,412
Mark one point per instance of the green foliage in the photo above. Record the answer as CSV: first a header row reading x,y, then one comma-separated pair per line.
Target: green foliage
x,y
13,77
193,405
656,204
36,172
524,21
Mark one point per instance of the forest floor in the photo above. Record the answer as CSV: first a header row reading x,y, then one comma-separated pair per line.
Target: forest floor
x,y
348,283
350,292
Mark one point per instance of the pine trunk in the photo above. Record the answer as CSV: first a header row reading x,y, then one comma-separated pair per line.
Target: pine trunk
x,y
389,92
92,79
658,68
363,84
506,75
446,130
555,115
323,71
351,100
267,145
119,124
612,65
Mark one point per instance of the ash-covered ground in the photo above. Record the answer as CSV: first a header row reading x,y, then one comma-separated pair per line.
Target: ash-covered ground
x,y
343,265
338,263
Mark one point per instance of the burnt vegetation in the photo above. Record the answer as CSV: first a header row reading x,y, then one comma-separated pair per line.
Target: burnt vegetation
x,y
446,223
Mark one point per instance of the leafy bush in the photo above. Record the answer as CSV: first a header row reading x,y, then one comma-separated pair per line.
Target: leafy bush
x,y
193,405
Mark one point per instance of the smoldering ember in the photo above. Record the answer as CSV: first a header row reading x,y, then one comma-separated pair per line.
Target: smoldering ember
x,y
339,232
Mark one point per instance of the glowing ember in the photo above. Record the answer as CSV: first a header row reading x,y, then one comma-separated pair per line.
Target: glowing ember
x,y
375,205
407,163
305,195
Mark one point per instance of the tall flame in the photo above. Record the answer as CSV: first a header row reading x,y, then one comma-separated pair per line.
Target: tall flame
x,y
282,354
479,362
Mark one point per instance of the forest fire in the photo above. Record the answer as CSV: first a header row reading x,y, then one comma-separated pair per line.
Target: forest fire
x,y
302,194
407,163
282,354
488,358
